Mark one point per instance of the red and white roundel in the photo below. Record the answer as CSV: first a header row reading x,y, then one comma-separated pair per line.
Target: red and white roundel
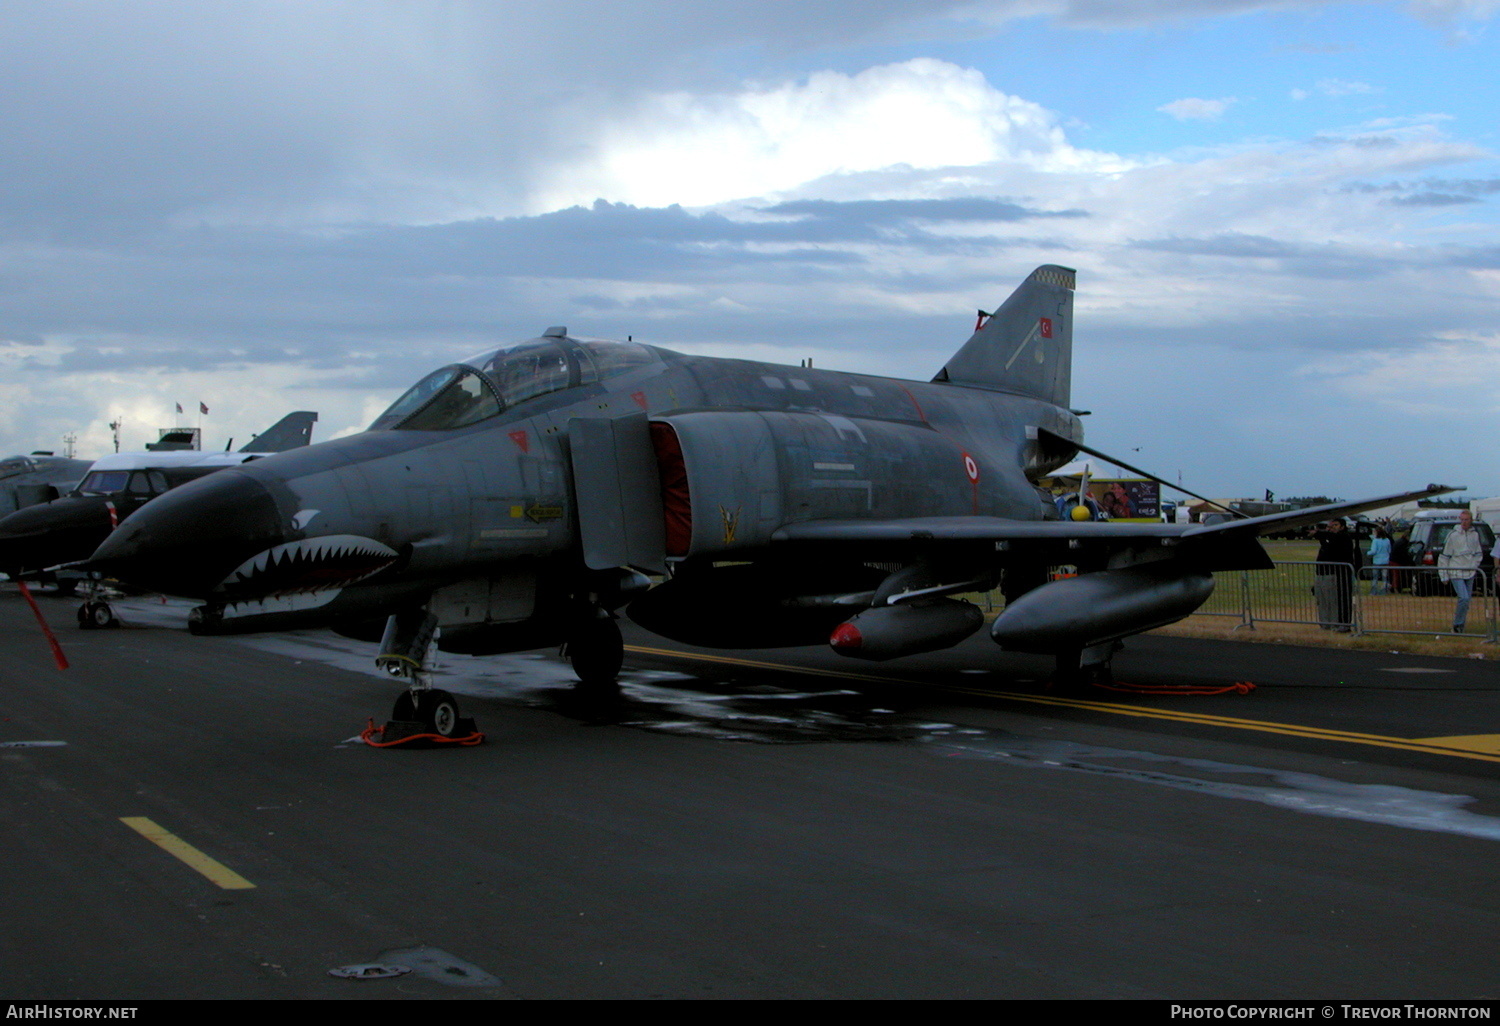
x,y
971,468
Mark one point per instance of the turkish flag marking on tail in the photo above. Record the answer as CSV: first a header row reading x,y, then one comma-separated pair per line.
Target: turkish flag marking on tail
x,y
1046,325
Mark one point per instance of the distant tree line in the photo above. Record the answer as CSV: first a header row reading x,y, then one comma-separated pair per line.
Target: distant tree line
x,y
1460,502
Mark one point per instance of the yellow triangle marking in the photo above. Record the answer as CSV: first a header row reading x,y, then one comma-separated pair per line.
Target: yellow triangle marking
x,y
1486,743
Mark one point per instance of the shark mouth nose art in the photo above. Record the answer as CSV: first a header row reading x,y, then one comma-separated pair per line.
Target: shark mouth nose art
x,y
309,565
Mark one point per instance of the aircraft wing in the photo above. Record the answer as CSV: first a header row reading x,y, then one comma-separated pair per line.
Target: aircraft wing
x,y
1228,546
1295,518
1051,542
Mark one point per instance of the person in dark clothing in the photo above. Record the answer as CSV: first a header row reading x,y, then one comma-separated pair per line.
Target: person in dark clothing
x,y
1333,580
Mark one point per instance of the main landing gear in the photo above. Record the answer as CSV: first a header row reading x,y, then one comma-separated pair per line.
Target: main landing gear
x,y
423,714
597,651
1082,668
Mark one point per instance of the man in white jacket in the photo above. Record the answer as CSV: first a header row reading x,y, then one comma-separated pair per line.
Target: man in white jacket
x,y
1459,563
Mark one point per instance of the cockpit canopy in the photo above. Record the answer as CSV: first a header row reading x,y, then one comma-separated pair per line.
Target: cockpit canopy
x,y
13,465
486,385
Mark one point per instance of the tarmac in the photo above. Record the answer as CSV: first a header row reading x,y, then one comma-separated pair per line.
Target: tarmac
x,y
196,818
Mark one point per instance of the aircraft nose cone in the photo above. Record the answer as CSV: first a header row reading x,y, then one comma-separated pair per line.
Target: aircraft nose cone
x,y
187,541
61,531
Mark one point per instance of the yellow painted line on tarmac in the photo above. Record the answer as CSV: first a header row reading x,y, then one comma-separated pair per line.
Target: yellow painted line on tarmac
x,y
173,845
1487,743
1484,747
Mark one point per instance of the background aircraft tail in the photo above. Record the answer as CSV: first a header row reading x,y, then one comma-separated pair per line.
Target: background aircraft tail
x,y
1026,346
290,432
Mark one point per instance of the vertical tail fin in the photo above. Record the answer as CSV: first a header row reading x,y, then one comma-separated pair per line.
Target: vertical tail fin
x,y
1026,346
290,432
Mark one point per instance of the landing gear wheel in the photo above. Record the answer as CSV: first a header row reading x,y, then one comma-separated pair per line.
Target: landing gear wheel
x,y
597,651
422,716
1074,675
435,710
405,709
205,620
439,712
96,616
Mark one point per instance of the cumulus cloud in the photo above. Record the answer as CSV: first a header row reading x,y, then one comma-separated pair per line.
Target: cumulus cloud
x,y
923,114
309,205
1193,109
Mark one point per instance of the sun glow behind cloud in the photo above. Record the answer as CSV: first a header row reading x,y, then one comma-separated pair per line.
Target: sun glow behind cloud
x,y
345,211
922,114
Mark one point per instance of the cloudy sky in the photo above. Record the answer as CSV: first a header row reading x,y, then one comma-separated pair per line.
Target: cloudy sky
x,y
1282,212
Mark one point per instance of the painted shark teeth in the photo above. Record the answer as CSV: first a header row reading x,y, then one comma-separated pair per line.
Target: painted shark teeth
x,y
306,566
280,604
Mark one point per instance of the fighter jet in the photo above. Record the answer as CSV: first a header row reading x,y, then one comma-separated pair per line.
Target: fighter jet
x,y
520,498
67,529
40,477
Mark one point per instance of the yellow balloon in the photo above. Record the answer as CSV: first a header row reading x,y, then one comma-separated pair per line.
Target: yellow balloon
x,y
1081,513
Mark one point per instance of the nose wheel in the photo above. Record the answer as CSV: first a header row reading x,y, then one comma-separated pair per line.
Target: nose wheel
x,y
95,613
96,616
422,715
435,710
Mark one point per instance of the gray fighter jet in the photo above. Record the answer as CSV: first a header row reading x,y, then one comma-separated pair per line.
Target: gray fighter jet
x,y
55,530
519,499
40,477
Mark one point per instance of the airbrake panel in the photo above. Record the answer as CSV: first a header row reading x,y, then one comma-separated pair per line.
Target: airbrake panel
x,y
619,493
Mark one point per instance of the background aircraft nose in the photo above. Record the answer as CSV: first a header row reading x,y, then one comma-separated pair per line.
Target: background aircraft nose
x,y
61,531
187,541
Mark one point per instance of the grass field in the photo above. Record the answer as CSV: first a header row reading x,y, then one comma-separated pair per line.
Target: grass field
x,y
1283,612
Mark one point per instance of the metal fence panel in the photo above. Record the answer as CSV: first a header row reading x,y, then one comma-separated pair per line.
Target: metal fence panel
x,y
1228,598
1415,600
1285,594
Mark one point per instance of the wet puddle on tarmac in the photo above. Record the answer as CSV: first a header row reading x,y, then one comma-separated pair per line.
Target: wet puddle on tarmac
x,y
722,710
657,700
1296,792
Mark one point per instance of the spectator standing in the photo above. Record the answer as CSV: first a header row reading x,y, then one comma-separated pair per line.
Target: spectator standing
x,y
1333,580
1459,563
1380,558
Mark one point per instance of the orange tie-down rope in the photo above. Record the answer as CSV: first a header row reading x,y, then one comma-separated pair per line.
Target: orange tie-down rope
x,y
369,732
1239,687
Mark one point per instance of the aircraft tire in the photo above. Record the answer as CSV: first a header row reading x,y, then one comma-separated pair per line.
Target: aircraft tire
x,y
405,709
203,620
102,616
597,652
438,712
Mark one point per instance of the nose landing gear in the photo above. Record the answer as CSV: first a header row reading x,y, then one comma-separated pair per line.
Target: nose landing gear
x,y
422,715
95,612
